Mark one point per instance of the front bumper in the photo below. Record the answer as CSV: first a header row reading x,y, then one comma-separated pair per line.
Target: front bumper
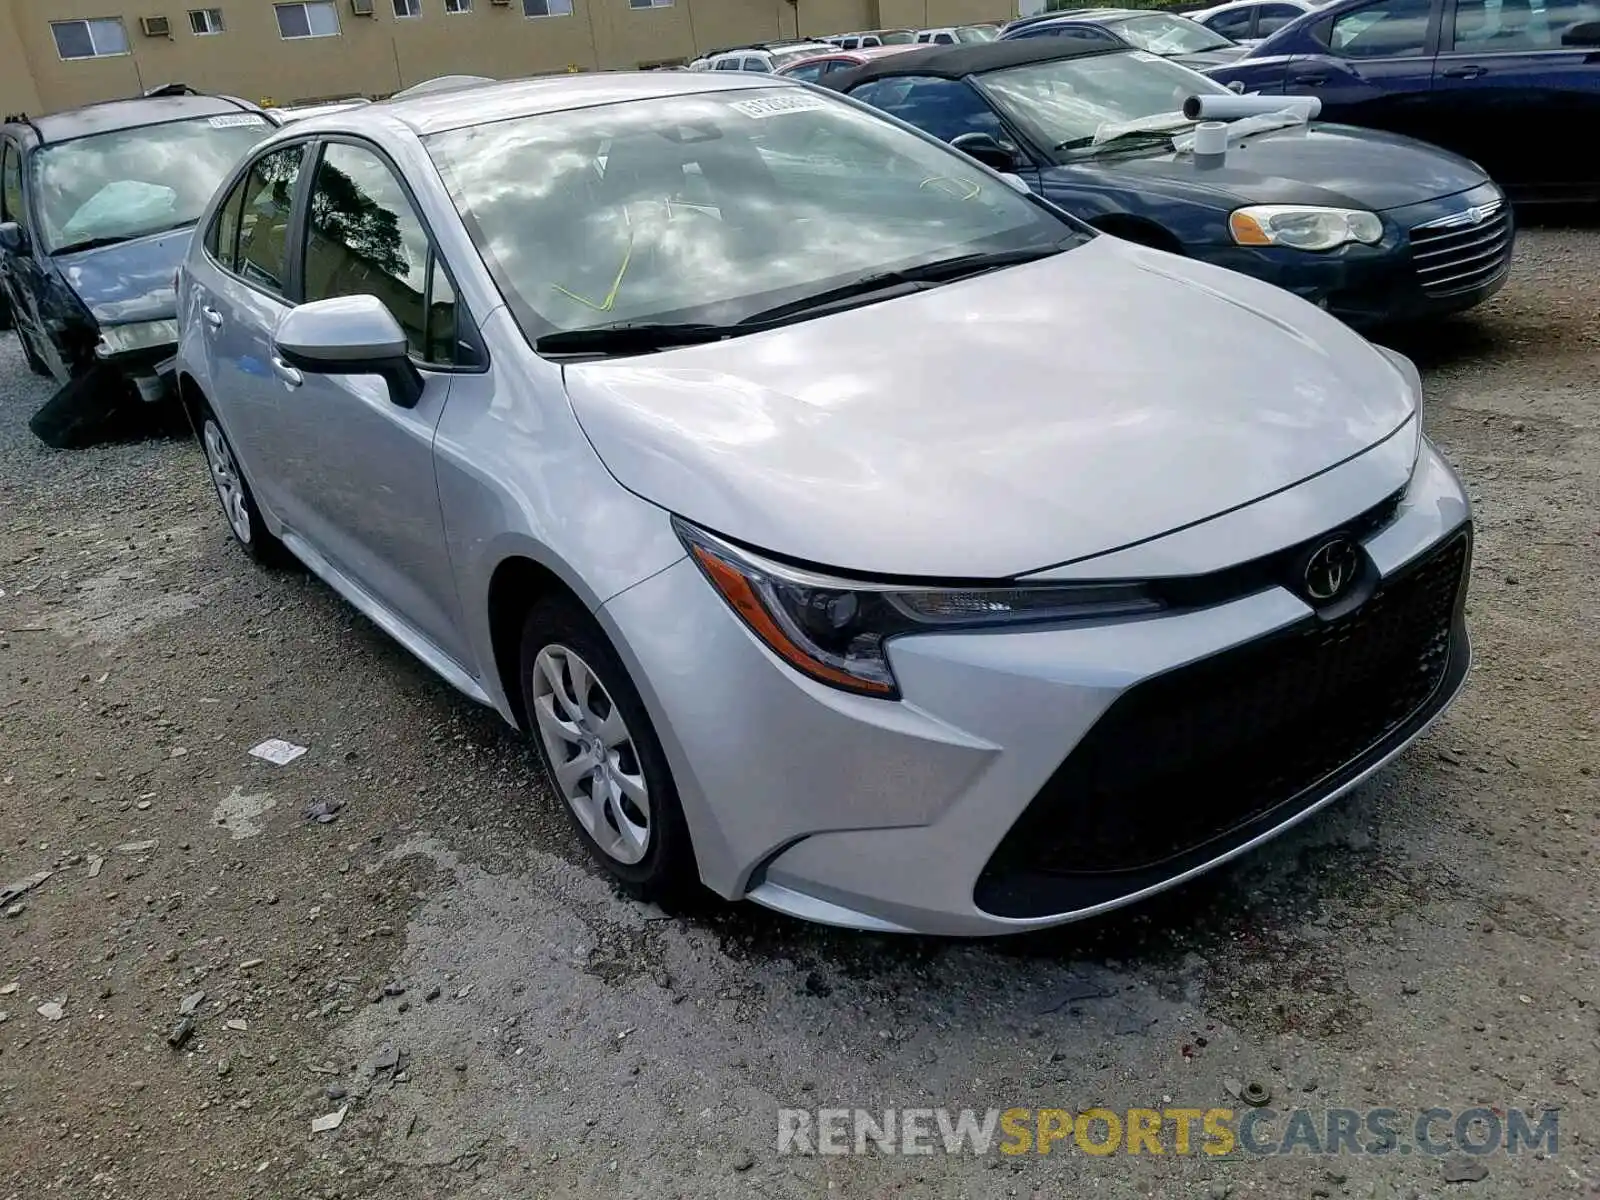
x,y
1419,271
965,808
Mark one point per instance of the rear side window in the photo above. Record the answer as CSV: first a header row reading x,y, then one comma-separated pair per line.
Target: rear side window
x,y
1272,17
1387,29
12,207
255,222
1234,23
364,238
811,72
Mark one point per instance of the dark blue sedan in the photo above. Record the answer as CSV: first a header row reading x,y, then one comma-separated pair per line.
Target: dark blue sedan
x,y
1511,84
1376,228
1166,34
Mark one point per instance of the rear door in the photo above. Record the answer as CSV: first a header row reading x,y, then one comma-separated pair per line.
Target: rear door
x,y
1377,66
1520,94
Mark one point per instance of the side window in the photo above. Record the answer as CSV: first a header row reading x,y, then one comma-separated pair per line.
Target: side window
x,y
811,72
1509,26
263,234
1387,29
1235,23
945,108
1272,17
834,65
726,64
944,39
12,207
364,238
754,63
222,238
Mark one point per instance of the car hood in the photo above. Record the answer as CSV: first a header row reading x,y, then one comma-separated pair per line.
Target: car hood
x,y
1307,164
997,425
130,281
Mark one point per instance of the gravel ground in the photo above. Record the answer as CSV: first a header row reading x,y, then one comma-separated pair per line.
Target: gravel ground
x,y
1429,941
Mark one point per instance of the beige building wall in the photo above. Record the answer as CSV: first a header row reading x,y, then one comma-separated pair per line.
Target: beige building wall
x,y
378,54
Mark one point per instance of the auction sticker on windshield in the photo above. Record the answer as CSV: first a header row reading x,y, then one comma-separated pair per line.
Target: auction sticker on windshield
x,y
236,121
776,106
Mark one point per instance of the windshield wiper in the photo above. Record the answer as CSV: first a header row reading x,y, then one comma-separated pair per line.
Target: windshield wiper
x,y
637,338
644,337
1098,140
116,239
904,280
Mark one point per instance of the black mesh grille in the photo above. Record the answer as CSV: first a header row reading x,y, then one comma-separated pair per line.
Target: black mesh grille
x,y
1190,756
1449,260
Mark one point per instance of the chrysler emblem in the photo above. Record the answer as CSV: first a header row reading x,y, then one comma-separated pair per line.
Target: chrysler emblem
x,y
1331,569
1476,215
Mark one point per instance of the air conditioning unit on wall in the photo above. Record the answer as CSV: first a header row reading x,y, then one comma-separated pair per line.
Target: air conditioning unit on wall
x,y
155,27
361,8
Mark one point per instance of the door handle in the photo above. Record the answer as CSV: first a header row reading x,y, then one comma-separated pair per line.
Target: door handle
x,y
1316,79
212,317
1469,72
285,372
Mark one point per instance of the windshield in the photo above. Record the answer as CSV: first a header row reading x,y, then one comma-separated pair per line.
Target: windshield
x,y
713,207
133,182
977,33
1066,102
1164,35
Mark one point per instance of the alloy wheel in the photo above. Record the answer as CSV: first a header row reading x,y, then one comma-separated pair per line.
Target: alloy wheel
x,y
591,754
229,484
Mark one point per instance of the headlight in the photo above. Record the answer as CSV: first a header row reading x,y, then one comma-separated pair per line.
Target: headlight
x,y
145,335
1303,228
835,630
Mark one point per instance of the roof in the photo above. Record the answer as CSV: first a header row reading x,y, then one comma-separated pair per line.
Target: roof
x,y
112,115
438,111
957,62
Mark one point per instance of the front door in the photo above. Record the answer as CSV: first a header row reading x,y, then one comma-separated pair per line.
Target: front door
x,y
1521,94
360,478
21,280
1378,69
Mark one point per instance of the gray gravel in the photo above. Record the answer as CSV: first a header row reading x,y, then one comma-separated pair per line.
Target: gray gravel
x,y
1430,941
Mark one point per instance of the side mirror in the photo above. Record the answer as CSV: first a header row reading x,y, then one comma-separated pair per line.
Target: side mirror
x,y
987,150
1584,33
13,238
350,335
1016,182
1237,87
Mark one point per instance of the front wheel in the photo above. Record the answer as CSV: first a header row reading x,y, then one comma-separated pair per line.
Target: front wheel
x,y
601,753
234,494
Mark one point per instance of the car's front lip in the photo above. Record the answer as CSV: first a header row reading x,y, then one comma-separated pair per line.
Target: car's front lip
x,y
883,815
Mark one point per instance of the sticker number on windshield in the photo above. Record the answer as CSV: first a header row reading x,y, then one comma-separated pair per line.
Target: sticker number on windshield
x,y
776,106
236,121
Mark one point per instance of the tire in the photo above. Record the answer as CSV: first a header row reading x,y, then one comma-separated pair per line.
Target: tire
x,y
561,645
238,502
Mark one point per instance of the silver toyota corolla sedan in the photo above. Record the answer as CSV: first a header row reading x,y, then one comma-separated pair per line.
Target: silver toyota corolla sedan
x,y
849,529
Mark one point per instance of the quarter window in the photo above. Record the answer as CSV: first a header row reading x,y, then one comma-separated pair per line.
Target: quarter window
x,y
12,207
99,38
547,8
317,18
365,239
1389,29
263,234
203,21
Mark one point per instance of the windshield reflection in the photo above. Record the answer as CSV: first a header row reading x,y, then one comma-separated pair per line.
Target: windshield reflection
x,y
132,182
715,206
1164,35
1065,102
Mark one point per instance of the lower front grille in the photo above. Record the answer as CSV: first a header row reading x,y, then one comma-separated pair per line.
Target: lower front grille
x,y
1458,258
1189,757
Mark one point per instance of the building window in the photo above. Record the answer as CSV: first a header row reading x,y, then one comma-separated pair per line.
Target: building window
x,y
98,38
407,8
318,18
458,6
649,3
205,20
547,8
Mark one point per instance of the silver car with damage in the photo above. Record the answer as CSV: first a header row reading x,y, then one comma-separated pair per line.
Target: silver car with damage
x,y
851,531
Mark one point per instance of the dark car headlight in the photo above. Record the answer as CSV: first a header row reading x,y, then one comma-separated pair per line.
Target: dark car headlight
x,y
835,630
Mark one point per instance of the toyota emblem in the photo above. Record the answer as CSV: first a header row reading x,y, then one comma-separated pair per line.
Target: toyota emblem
x,y
1331,569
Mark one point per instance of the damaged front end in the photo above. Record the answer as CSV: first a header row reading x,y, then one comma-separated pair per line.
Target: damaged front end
x,y
144,352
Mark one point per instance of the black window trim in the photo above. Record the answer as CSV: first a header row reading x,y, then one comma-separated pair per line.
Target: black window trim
x,y
466,325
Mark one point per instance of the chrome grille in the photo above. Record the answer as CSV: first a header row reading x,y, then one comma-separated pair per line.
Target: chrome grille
x,y
1456,254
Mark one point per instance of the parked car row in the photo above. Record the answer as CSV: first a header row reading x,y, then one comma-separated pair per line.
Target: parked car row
x,y
771,57
882,500
852,529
